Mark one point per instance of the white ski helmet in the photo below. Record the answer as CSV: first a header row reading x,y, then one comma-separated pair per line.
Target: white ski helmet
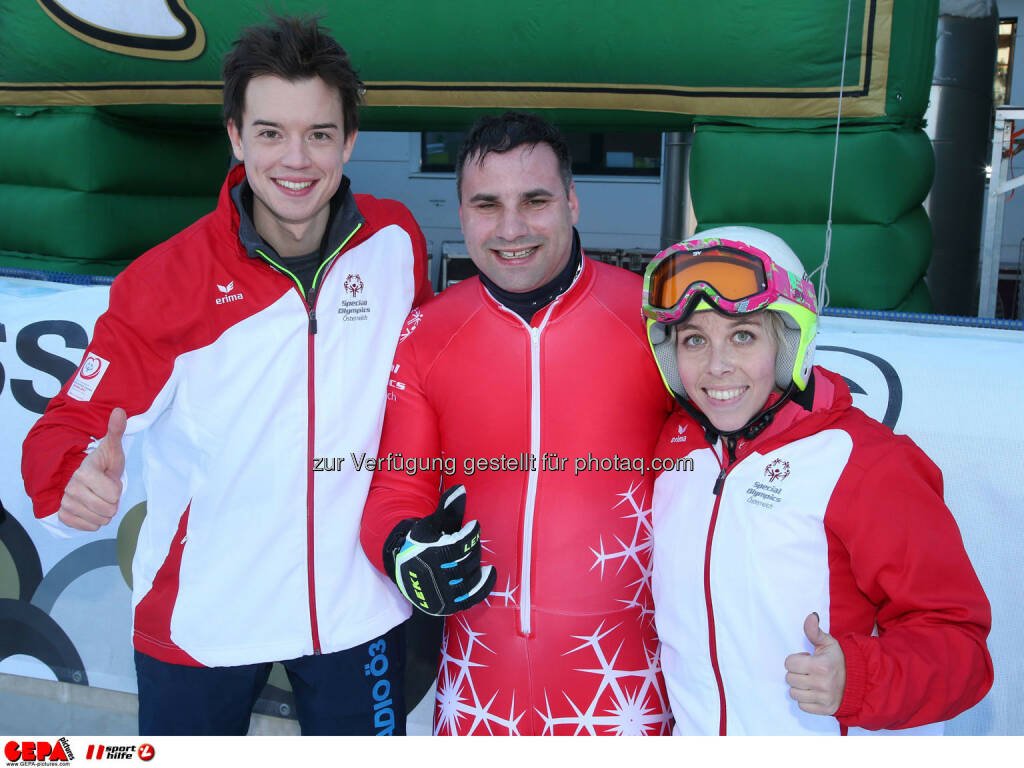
x,y
680,281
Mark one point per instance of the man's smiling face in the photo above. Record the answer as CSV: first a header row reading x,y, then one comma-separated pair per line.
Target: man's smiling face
x,y
294,146
517,216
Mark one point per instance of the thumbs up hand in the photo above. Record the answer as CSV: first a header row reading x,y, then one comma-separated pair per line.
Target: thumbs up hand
x,y
817,682
91,497
435,561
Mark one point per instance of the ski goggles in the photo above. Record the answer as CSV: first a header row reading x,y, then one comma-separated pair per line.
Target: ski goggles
x,y
732,276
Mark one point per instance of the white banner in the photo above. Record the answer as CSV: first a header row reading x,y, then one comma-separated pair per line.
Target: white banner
x,y
958,392
70,617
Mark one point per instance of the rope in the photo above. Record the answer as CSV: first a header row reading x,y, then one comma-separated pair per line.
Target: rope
x,y
823,295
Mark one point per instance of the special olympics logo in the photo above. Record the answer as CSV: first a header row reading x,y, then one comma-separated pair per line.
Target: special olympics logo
x,y
91,366
354,285
777,470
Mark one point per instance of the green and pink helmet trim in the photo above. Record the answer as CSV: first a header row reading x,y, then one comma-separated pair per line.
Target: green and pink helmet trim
x,y
781,283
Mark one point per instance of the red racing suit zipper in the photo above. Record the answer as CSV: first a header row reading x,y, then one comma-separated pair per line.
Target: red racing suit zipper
x,y
529,508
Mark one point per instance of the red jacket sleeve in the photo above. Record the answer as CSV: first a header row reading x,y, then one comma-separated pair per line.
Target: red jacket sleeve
x,y
407,484
137,370
383,212
900,548
424,290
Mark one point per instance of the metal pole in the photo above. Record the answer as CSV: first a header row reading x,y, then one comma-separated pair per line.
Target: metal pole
x,y
959,124
993,231
673,170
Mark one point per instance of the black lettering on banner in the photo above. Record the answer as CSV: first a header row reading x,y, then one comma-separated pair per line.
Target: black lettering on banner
x,y
894,403
36,357
3,338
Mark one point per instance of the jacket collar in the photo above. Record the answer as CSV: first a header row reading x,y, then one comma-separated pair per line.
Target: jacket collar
x,y
345,215
799,418
564,302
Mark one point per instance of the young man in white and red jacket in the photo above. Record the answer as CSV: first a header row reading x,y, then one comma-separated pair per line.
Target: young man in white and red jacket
x,y
515,393
808,577
241,351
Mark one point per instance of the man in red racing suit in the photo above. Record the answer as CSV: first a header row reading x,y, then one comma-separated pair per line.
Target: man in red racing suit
x,y
548,416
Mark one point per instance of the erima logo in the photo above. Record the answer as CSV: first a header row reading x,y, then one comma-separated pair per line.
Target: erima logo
x,y
229,297
681,436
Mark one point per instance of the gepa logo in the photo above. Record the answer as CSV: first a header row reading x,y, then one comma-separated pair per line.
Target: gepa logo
x,y
38,752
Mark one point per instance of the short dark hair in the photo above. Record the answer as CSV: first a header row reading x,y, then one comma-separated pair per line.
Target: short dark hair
x,y
504,132
292,48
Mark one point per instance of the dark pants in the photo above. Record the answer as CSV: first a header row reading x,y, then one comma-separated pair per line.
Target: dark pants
x,y
359,691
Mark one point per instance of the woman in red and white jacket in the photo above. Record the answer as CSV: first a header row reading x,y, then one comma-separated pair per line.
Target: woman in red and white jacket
x,y
808,577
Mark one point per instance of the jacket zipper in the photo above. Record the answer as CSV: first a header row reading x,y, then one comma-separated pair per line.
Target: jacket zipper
x,y
310,303
727,463
526,546
531,483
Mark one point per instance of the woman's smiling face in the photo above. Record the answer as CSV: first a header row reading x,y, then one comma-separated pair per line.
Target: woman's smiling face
x,y
727,365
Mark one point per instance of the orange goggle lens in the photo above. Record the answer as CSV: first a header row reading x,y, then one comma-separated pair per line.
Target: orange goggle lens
x,y
733,275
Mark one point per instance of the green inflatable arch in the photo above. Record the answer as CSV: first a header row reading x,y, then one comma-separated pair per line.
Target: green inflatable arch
x,y
113,142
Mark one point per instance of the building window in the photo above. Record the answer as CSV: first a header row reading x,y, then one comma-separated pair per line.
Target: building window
x,y
615,153
438,150
1004,62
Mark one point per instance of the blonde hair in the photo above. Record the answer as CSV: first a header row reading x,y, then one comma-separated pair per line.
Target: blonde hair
x,y
776,326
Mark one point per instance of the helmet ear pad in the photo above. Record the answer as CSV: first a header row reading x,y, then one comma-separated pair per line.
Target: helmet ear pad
x,y
798,328
789,348
663,344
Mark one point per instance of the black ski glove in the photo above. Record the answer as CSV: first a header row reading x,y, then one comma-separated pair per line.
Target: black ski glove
x,y
435,560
